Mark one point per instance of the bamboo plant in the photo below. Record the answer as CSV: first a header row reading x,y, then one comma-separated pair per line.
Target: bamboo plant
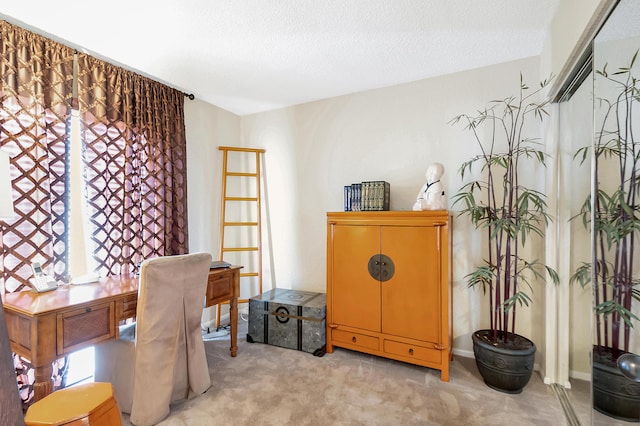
x,y
500,204
614,215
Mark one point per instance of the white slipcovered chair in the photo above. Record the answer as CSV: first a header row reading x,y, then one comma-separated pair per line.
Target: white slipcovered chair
x,y
161,358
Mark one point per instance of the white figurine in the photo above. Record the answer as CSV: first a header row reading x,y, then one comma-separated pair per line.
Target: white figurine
x,y
431,195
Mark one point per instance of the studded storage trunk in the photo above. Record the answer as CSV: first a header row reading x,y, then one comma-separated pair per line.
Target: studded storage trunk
x,y
291,319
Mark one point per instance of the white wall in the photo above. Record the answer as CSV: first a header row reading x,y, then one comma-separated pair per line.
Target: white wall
x,y
391,134
577,131
567,28
569,33
207,127
313,150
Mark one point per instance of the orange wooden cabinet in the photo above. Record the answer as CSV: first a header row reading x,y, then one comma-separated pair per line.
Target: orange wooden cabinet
x,y
388,289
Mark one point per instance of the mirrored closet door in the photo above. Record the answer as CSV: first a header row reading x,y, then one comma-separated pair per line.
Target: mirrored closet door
x,y
614,214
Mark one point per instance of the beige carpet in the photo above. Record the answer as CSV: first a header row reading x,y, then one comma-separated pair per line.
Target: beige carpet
x,y
267,385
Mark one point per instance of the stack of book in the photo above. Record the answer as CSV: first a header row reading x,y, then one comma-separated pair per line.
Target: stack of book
x,y
367,196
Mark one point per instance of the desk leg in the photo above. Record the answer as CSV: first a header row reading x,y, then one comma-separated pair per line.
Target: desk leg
x,y
43,384
233,313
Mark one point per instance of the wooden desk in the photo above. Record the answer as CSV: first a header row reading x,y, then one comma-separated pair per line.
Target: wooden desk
x,y
223,286
44,327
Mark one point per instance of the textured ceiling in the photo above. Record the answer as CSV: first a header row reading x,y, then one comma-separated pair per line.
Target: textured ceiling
x,y
249,56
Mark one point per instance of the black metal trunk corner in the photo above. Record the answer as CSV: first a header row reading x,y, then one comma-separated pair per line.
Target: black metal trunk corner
x,y
290,319
505,370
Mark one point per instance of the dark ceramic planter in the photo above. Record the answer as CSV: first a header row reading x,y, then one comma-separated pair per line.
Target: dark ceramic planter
x,y
504,369
614,394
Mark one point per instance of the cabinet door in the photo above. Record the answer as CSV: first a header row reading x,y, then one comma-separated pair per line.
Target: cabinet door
x,y
411,298
355,294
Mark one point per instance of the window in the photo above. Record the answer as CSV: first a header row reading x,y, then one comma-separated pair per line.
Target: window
x,y
101,188
127,143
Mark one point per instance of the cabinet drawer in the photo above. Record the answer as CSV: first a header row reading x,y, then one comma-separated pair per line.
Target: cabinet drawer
x,y
127,307
219,288
355,339
412,351
83,327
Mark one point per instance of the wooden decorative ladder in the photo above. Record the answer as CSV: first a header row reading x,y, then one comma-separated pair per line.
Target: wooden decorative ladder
x,y
241,210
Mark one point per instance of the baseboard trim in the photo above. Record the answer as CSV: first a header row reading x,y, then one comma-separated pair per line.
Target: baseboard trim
x,y
580,375
463,353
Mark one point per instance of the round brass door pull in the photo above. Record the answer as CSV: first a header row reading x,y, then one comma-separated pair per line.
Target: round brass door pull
x,y
381,267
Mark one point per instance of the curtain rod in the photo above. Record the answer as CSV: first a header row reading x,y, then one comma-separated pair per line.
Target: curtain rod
x,y
191,96
78,49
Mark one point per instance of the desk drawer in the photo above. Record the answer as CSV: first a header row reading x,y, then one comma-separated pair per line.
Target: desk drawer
x,y
86,326
219,288
126,307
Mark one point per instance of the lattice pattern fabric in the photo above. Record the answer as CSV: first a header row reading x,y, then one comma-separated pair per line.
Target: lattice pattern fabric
x,y
36,90
135,156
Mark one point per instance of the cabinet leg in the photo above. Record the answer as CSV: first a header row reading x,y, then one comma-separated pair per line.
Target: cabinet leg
x,y
328,344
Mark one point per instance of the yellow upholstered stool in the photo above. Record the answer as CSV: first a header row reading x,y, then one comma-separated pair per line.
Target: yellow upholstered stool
x,y
88,404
